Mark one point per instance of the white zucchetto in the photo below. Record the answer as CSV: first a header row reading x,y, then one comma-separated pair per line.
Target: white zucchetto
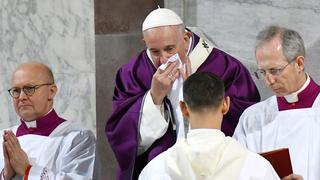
x,y
161,17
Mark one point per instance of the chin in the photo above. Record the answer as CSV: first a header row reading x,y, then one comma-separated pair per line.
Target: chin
x,y
280,94
27,117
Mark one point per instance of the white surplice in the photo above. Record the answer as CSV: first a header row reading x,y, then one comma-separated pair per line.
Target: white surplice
x,y
207,154
67,153
262,127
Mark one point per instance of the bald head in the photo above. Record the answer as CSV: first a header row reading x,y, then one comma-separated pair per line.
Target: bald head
x,y
41,71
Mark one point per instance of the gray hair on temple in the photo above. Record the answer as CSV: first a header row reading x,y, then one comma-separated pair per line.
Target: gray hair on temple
x,y
292,43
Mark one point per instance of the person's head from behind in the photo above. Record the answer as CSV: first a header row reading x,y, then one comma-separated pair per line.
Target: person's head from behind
x,y
164,35
204,103
32,90
280,55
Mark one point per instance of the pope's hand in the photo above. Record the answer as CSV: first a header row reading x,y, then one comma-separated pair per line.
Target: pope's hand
x,y
162,82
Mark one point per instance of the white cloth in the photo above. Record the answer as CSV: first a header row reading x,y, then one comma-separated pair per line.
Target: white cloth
x,y
262,127
208,154
153,125
67,153
176,95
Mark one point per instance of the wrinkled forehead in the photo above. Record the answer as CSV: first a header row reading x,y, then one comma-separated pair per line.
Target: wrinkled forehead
x,y
162,36
175,30
270,55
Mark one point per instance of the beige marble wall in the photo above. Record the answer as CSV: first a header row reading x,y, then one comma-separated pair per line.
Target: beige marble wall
x,y
60,34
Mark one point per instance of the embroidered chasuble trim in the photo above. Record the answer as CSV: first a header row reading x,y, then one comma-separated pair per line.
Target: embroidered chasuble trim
x,y
199,54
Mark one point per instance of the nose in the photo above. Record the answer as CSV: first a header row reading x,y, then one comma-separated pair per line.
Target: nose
x,y
164,57
269,78
22,95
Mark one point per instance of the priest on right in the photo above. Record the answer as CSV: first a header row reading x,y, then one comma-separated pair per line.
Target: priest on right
x,y
290,118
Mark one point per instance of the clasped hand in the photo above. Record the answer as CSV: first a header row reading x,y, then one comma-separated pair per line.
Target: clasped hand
x,y
15,159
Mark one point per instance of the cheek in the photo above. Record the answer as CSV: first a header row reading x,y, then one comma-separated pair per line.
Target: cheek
x,y
15,104
286,83
156,61
183,52
289,79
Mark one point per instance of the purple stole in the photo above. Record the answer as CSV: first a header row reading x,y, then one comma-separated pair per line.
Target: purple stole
x,y
132,82
306,98
45,125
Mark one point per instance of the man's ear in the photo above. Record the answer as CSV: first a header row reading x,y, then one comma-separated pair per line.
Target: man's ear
x,y
53,91
184,109
186,37
225,105
300,63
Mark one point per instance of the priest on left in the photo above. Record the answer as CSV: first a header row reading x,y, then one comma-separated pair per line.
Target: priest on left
x,y
43,145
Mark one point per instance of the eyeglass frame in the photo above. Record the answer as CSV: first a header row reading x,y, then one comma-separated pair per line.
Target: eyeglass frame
x,y
34,88
272,71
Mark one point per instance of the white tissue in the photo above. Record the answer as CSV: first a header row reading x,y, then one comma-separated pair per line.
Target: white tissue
x,y
173,58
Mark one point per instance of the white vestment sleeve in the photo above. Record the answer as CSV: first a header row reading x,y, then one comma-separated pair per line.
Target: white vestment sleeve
x,y
153,125
240,131
74,161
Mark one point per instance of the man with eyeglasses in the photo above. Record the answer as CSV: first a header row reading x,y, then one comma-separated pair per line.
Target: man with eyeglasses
x,y
43,145
290,118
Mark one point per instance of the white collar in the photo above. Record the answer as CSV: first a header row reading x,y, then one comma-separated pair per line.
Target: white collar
x,y
293,97
33,123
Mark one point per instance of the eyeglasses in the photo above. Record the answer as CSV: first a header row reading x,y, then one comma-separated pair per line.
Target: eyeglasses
x,y
261,73
28,90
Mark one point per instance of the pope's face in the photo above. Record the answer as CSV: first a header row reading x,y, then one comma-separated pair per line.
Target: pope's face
x,y
165,41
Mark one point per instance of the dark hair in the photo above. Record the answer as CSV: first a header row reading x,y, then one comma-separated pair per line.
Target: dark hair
x,y
292,43
202,90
